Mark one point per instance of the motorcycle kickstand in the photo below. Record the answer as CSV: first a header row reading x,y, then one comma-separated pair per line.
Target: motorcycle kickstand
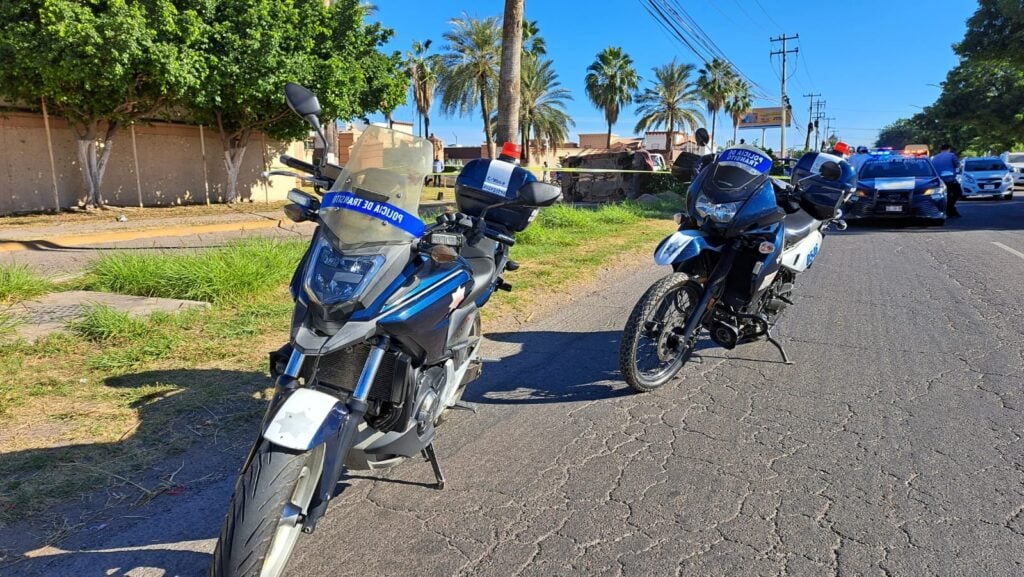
x,y
465,406
778,345
430,455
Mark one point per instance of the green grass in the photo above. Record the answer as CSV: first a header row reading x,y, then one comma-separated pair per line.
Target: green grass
x,y
130,341
18,282
242,269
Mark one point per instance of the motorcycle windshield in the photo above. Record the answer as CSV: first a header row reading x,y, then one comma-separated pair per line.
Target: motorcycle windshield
x,y
736,174
376,199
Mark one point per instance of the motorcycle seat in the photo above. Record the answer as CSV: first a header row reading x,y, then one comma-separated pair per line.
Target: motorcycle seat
x,y
481,260
798,225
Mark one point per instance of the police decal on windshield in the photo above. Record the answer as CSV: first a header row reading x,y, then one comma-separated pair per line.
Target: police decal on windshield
x,y
748,159
383,211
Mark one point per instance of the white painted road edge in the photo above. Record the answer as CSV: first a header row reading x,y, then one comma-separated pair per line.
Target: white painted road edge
x,y
1008,249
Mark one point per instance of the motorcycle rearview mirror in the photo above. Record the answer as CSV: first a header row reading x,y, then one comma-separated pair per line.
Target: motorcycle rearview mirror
x,y
702,136
304,102
301,100
831,171
538,194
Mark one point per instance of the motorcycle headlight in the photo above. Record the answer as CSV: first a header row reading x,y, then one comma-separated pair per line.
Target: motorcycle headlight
x,y
333,278
721,213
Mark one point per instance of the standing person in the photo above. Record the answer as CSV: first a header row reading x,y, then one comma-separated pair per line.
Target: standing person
x,y
946,164
641,161
438,158
860,158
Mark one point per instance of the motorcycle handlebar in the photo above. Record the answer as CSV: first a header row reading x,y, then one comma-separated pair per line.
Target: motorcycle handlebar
x,y
292,162
499,237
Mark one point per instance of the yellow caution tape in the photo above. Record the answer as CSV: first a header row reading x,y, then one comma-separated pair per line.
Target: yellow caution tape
x,y
597,170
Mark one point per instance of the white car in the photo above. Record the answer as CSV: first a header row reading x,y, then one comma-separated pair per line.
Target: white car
x,y
988,176
1015,160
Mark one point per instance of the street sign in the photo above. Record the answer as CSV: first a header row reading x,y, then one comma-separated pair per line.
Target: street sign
x,y
765,118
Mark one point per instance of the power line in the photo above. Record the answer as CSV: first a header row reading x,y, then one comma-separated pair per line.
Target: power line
x,y
770,19
785,100
678,22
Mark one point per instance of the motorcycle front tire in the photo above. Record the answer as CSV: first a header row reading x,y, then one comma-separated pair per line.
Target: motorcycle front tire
x,y
265,517
652,307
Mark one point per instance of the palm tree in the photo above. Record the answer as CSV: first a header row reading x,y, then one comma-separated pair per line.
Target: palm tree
x,y
672,102
469,69
543,105
533,42
422,71
611,81
739,103
714,84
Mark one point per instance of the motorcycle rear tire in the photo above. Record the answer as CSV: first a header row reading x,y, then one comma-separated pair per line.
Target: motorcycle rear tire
x,y
267,490
647,308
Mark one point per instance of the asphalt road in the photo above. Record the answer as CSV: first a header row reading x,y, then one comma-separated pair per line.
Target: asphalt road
x,y
892,446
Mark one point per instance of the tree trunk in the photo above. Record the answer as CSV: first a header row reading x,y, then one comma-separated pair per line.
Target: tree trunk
x,y
608,143
93,155
671,139
524,138
714,120
509,75
735,132
232,162
426,126
488,135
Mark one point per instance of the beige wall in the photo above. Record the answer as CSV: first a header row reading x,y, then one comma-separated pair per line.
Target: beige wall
x,y
170,163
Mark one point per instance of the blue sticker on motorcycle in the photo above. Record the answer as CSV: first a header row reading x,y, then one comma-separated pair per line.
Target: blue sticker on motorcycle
x,y
388,213
813,253
747,158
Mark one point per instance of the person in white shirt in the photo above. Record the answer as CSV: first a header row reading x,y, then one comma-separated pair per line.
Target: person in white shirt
x,y
860,158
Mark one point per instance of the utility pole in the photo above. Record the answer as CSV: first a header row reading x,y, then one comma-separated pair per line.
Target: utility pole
x,y
819,113
828,129
784,101
810,120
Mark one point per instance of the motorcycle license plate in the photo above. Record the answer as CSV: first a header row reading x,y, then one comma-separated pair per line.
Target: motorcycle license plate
x,y
894,209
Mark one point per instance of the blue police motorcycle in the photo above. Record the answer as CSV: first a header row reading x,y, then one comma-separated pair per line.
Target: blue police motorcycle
x,y
735,257
385,334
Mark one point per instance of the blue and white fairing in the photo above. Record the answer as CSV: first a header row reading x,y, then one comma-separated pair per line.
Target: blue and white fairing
x,y
682,246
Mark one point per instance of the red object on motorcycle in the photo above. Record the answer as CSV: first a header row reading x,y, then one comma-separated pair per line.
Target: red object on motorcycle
x,y
512,150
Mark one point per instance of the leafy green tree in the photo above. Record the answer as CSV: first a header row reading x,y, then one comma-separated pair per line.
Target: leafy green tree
x,y
995,32
99,65
673,102
715,84
611,81
469,71
543,105
253,47
899,134
738,104
422,71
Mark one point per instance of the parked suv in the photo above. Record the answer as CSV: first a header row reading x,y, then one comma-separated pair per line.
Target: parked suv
x,y
988,176
1015,160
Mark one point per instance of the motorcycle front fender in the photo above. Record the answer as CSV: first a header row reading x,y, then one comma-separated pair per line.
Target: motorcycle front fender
x,y
304,419
682,246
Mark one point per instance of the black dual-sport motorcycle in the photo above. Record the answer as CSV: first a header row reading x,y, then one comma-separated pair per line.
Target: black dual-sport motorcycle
x,y
734,259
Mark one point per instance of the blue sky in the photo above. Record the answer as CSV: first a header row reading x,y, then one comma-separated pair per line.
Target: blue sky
x,y
872,61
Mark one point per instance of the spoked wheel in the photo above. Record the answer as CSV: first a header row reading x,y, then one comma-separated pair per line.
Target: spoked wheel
x,y
265,518
652,350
